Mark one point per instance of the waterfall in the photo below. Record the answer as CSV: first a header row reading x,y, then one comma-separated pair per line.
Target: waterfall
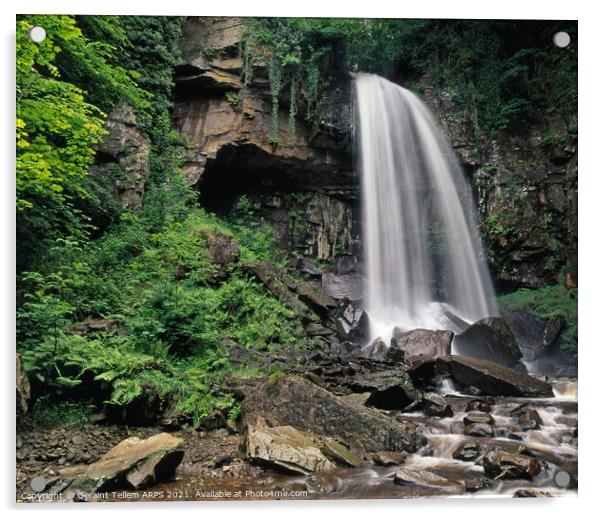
x,y
422,252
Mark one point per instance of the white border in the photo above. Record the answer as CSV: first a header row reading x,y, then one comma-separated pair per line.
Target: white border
x,y
590,116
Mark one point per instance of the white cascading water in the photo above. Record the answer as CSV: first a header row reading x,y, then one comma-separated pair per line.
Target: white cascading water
x,y
422,251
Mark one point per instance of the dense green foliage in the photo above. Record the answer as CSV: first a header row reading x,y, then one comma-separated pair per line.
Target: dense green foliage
x,y
545,303
494,69
82,256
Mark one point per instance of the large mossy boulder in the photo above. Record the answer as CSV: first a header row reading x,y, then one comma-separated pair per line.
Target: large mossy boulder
x,y
493,379
489,339
294,401
133,464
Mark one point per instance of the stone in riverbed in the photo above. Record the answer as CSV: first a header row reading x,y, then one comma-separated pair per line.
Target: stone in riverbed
x,y
291,400
389,390
503,464
478,417
489,339
479,430
419,342
529,419
133,464
426,479
284,447
493,379
467,451
436,406
389,458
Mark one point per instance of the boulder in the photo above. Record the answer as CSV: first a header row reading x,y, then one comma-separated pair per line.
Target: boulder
x,y
389,458
376,350
353,323
284,447
436,406
534,335
480,405
479,430
389,390
339,453
340,286
489,339
133,464
478,417
528,418
420,342
492,379
426,478
503,464
468,451
291,400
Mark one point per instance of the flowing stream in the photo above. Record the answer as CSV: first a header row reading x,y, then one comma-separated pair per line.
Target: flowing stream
x,y
422,252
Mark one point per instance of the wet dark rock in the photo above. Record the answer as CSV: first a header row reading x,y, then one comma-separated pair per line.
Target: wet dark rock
x,y
468,451
389,390
476,484
503,464
529,493
489,339
426,479
353,323
480,405
454,322
315,329
528,419
478,417
133,464
420,342
493,379
389,458
534,335
316,299
291,400
339,286
479,430
436,406
377,349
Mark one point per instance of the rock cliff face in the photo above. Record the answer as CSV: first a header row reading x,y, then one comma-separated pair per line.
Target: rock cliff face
x,y
123,157
304,185
525,183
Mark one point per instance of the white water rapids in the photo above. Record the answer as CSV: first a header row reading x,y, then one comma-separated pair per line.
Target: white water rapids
x,y
422,252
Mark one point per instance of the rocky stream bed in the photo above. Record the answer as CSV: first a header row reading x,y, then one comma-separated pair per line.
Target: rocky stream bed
x,y
334,426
